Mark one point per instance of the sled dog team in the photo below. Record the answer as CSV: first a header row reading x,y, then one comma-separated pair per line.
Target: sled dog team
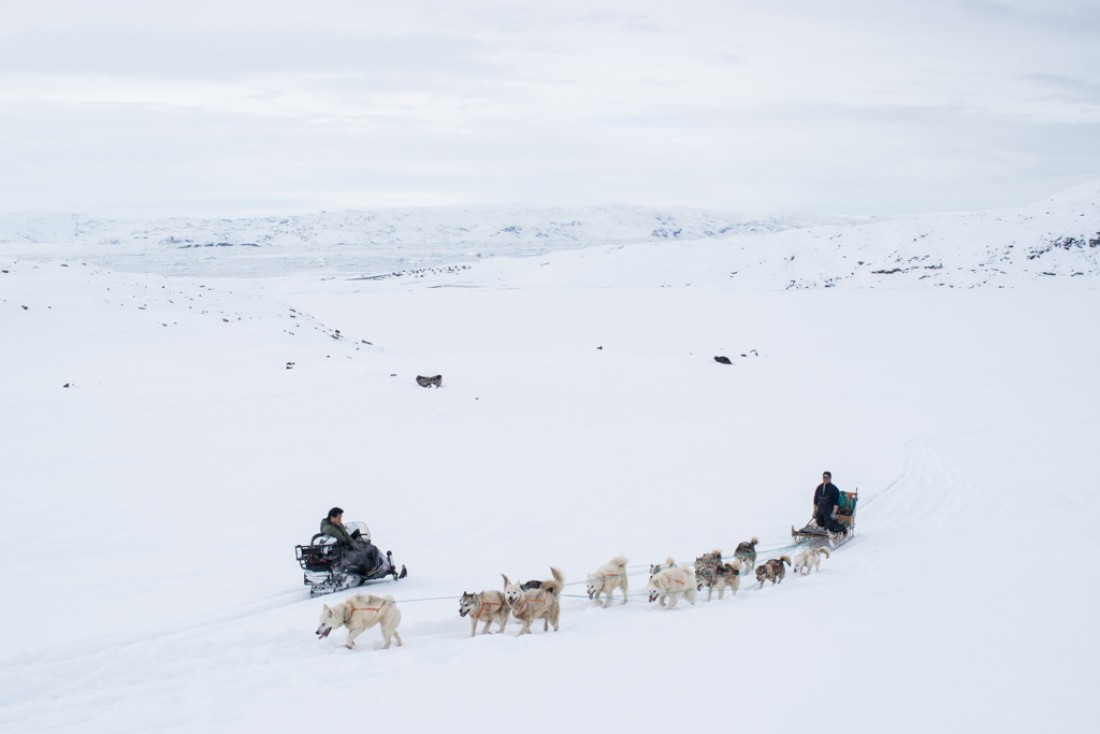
x,y
531,601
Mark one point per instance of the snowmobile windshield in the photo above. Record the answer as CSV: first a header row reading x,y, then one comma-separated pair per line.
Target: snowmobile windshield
x,y
364,531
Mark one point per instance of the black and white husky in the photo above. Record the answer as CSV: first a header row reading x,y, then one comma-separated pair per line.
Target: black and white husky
x,y
745,553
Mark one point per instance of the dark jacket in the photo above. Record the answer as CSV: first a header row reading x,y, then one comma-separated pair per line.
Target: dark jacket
x,y
336,531
826,497
361,556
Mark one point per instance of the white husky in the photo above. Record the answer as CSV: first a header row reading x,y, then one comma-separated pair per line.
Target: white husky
x,y
670,583
359,613
531,604
811,559
607,578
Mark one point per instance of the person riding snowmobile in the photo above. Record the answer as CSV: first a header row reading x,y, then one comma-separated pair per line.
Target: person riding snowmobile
x,y
361,556
333,526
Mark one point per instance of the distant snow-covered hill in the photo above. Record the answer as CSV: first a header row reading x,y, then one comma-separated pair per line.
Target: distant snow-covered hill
x,y
1055,240
360,242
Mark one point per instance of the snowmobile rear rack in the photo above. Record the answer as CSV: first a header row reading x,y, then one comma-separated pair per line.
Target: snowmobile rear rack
x,y
330,566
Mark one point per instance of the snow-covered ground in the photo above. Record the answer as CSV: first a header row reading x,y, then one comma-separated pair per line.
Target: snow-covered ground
x,y
160,462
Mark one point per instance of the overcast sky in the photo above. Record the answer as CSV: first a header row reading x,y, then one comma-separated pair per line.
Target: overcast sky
x,y
121,108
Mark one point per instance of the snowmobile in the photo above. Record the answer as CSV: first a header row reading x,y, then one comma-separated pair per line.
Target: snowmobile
x,y
330,565
813,533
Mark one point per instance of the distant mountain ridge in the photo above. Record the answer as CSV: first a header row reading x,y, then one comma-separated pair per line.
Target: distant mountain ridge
x,y
1055,242
1058,237
367,241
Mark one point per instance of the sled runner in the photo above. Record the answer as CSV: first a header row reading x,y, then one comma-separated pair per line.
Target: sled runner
x,y
811,532
330,565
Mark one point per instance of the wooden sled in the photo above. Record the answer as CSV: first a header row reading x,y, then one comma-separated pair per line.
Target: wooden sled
x,y
812,533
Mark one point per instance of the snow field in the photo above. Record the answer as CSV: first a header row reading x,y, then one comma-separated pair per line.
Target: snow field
x,y
155,502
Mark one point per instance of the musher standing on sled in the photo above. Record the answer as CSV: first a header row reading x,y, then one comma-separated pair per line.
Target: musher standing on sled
x,y
826,501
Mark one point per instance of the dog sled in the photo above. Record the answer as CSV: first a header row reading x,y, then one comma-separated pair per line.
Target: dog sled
x,y
329,565
813,533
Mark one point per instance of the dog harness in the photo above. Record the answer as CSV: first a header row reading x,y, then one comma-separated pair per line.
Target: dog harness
x,y
524,601
351,613
482,604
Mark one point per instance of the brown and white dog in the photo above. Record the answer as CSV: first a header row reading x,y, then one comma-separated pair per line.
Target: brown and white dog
x,y
772,570
359,613
607,578
530,604
488,606
809,560
713,574
669,584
